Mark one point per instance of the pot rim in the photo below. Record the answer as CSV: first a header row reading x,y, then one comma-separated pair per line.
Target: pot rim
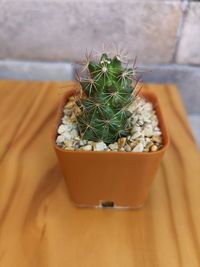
x,y
144,93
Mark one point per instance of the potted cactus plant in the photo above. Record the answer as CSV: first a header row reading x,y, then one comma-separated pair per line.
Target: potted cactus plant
x,y
109,138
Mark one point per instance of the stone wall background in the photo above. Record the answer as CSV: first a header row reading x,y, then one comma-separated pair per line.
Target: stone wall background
x,y
158,32
39,39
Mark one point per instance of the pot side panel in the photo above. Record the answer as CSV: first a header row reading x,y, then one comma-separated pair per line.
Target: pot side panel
x,y
121,177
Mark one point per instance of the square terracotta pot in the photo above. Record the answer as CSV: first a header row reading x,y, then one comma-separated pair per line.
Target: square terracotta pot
x,y
109,179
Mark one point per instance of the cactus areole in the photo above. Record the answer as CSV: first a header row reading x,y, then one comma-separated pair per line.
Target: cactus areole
x,y
107,93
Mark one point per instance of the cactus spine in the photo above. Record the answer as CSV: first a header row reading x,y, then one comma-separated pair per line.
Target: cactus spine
x,y
107,93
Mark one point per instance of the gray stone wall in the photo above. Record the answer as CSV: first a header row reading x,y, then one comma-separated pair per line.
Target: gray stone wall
x,y
158,32
188,51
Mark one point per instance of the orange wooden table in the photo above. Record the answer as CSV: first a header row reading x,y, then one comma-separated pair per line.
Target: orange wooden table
x,y
40,227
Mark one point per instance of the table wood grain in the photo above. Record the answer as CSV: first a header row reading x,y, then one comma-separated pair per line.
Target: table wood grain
x,y
40,227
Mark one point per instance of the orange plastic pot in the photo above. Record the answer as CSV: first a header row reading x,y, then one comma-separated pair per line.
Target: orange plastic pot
x,y
109,179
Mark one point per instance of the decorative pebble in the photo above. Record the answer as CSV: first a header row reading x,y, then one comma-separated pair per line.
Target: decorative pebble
x,y
74,133
114,146
82,142
142,140
157,139
148,106
61,129
140,123
89,142
148,145
133,144
69,105
138,148
73,118
65,119
68,143
127,148
157,133
60,139
136,135
136,129
77,110
121,142
148,131
68,112
156,129
154,148
99,146
67,136
68,148
76,145
87,148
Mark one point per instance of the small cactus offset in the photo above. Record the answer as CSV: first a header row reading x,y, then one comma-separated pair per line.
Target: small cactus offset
x,y
107,91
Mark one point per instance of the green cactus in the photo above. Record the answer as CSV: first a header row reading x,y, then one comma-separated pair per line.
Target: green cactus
x,y
107,93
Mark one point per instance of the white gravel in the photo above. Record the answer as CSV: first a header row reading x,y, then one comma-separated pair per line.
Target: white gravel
x,y
145,135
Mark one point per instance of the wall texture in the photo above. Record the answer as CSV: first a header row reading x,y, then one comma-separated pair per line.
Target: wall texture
x,y
158,32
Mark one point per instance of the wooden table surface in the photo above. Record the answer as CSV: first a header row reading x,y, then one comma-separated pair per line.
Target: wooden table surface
x,y
40,227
